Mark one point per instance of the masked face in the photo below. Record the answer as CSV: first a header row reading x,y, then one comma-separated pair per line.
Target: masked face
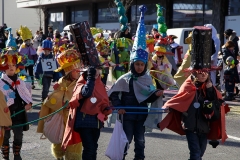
x,y
27,42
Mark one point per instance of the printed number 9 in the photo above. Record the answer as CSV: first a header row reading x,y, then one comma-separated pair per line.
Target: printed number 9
x,y
49,64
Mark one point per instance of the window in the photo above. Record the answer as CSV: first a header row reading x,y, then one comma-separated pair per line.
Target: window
x,y
79,15
234,8
108,15
189,13
56,20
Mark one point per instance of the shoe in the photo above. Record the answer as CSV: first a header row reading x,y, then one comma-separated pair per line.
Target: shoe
x,y
33,87
16,151
5,152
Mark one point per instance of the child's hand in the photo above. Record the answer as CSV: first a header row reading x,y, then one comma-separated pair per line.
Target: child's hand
x,y
28,106
121,111
55,86
159,93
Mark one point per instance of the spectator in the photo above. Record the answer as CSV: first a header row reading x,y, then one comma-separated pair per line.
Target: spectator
x,y
231,35
3,38
50,32
42,37
19,40
36,40
126,34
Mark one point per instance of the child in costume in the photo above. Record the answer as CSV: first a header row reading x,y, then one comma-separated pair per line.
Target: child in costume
x,y
103,51
89,108
162,67
69,62
187,114
230,76
18,98
5,119
44,68
27,49
181,76
136,90
120,56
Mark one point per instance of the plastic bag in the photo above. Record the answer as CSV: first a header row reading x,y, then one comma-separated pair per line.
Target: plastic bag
x,y
118,144
54,128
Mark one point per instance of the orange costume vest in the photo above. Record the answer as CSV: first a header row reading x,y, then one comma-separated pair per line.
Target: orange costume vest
x,y
92,106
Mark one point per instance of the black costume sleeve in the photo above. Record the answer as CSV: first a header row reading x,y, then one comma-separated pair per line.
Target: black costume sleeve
x,y
114,98
210,93
87,89
152,98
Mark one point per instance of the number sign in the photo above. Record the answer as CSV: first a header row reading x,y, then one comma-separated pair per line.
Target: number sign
x,y
49,65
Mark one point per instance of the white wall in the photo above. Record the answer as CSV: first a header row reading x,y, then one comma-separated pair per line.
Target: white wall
x,y
15,17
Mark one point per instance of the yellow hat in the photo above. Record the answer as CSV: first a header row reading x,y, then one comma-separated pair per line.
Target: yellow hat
x,y
68,61
25,33
95,30
102,47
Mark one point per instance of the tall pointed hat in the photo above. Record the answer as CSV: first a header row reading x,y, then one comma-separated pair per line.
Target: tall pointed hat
x,y
11,42
139,46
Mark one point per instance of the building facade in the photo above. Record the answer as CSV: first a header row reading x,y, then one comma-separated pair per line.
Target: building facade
x,y
103,13
15,17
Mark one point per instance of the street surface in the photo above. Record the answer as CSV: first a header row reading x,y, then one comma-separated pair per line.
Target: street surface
x,y
164,145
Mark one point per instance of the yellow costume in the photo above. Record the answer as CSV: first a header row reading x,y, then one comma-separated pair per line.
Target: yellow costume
x,y
68,60
5,119
181,76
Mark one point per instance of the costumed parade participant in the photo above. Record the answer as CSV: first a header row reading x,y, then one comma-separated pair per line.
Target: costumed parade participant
x,y
44,68
176,49
198,110
162,29
18,98
103,51
120,56
122,45
181,76
27,49
3,38
214,57
136,90
5,119
161,66
89,105
150,48
70,63
12,45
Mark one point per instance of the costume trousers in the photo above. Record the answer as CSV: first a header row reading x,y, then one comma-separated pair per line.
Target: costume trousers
x,y
17,136
104,78
89,138
46,83
197,144
72,152
29,69
135,128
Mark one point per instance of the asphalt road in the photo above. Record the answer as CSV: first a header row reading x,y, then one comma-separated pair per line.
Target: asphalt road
x,y
164,145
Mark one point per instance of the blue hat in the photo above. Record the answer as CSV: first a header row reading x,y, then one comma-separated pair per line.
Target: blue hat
x,y
11,42
47,44
139,46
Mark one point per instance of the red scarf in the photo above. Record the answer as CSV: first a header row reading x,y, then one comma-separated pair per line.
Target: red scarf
x,y
185,96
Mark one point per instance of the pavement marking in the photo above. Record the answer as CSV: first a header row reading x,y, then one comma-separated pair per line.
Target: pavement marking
x,y
235,138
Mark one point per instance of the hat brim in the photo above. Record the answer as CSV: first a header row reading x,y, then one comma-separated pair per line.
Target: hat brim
x,y
191,70
66,65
